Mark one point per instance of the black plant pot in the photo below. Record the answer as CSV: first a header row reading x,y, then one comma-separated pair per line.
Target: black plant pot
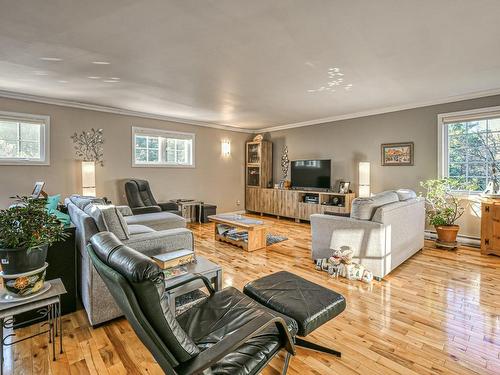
x,y
14,261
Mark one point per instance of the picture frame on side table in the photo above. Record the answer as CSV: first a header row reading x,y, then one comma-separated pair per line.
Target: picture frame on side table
x,y
397,154
344,187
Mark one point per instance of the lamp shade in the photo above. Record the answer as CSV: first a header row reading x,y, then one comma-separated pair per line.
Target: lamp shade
x,y
364,179
88,178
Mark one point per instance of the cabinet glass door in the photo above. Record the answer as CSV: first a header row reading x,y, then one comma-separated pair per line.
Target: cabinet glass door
x,y
253,176
253,153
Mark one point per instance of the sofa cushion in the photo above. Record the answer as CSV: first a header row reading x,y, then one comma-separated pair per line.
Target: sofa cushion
x,y
364,208
381,213
108,219
81,202
158,220
405,194
139,229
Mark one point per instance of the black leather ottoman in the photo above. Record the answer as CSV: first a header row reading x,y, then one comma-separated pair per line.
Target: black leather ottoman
x,y
309,304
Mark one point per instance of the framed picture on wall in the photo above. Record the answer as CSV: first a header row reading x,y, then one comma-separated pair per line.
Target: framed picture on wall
x,y
397,154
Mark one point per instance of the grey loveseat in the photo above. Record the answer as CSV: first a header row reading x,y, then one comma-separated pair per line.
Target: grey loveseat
x,y
149,234
382,232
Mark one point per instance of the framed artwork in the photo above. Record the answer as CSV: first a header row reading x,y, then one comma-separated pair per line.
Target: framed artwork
x,y
344,187
38,190
397,154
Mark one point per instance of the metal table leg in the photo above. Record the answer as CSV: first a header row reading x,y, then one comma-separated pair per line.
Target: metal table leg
x,y
60,326
1,355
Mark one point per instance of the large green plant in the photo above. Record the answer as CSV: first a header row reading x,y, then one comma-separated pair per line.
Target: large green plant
x,y
28,224
443,207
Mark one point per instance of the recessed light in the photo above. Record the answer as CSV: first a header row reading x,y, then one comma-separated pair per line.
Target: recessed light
x,y
62,81
50,59
100,62
110,81
115,78
40,73
94,77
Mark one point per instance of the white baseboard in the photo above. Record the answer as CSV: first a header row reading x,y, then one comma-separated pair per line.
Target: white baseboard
x,y
466,240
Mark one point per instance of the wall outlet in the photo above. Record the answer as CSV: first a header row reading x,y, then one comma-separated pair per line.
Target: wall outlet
x,y
238,202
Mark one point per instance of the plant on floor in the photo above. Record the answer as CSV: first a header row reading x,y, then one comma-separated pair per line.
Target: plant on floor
x,y
444,207
26,231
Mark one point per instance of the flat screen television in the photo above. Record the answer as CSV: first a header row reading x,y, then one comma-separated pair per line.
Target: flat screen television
x,y
311,174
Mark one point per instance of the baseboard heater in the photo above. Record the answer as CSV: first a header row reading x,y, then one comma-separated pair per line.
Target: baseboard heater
x,y
465,240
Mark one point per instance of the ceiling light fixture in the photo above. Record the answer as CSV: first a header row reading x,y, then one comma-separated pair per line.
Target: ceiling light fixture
x,y
100,62
110,81
50,59
40,73
62,81
94,77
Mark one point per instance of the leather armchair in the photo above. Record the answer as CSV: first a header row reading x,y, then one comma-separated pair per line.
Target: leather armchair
x,y
141,199
227,333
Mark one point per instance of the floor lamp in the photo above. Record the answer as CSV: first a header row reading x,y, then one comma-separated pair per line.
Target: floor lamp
x,y
364,179
88,178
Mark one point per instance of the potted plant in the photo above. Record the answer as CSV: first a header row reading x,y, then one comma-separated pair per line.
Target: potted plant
x,y
443,208
26,231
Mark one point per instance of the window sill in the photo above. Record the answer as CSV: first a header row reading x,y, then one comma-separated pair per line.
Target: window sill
x,y
135,165
25,162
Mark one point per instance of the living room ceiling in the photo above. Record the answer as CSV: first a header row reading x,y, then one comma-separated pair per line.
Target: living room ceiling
x,y
251,64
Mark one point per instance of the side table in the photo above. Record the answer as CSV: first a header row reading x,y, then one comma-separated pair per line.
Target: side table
x,y
187,206
203,266
47,304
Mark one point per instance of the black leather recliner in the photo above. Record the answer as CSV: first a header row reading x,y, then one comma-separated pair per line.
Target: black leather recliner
x,y
141,200
227,333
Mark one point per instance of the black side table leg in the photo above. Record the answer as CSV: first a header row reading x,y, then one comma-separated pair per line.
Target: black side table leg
x,y
309,345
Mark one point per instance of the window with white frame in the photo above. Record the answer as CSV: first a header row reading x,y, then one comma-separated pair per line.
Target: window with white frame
x,y
470,146
152,147
24,139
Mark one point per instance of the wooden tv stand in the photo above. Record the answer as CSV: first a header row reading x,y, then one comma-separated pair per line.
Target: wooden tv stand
x,y
290,203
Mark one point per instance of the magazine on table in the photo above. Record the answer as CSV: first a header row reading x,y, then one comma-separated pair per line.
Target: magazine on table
x,y
175,272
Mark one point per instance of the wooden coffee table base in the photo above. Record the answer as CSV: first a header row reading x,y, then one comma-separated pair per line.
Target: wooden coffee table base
x,y
256,239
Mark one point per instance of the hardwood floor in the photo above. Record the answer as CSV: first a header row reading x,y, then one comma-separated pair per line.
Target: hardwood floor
x,y
438,313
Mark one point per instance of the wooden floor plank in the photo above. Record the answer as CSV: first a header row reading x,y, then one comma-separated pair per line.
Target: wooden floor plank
x,y
438,313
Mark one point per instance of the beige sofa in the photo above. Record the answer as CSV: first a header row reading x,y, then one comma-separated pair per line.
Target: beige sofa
x,y
383,231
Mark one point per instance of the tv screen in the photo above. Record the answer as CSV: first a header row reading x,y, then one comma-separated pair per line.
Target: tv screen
x,y
311,174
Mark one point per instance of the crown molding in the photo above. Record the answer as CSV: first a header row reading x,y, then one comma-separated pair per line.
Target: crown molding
x,y
118,111
450,99
323,120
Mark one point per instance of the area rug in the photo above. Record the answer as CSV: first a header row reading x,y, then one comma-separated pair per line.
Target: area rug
x,y
274,238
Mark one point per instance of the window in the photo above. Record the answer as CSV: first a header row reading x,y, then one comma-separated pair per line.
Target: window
x,y
152,147
470,146
24,139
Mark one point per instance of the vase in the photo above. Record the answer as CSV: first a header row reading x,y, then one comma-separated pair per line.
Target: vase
x,y
447,233
20,260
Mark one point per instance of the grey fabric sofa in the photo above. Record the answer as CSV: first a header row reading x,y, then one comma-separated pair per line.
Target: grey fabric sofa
x,y
383,231
157,233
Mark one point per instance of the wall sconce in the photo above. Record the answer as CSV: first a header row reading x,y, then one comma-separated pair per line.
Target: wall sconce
x,y
226,148
88,178
364,179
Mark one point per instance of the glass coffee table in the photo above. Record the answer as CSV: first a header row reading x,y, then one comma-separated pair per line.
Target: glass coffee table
x,y
203,266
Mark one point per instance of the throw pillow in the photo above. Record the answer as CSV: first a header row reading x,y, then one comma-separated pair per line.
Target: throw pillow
x,y
52,202
114,222
405,194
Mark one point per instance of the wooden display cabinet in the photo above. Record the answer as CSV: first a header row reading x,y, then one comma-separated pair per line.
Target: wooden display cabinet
x,y
259,164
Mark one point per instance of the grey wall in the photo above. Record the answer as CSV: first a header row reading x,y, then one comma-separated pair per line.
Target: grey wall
x,y
347,142
215,179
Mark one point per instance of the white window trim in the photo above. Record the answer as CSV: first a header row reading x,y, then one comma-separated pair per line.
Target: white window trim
x,y
44,140
446,118
162,133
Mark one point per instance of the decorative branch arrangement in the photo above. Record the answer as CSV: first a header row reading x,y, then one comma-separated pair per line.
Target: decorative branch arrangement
x,y
88,145
284,162
490,154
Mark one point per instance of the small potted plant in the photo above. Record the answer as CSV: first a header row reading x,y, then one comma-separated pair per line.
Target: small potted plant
x,y
443,208
26,231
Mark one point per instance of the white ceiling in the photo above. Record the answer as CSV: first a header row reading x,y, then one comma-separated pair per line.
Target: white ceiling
x,y
251,63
